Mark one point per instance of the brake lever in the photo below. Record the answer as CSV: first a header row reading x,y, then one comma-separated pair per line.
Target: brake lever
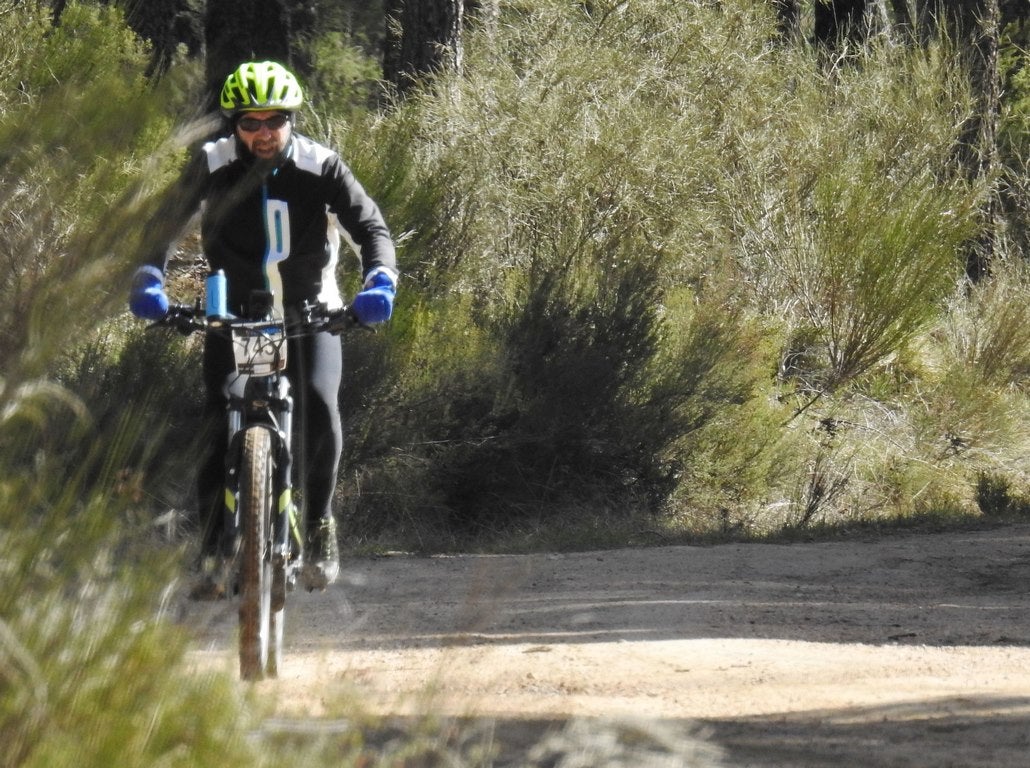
x,y
342,319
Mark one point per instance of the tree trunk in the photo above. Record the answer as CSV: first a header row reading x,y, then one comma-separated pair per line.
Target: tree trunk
x,y
167,24
983,132
840,23
57,7
422,37
244,30
976,26
788,14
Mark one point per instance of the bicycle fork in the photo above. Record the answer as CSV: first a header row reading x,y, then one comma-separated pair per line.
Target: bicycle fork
x,y
266,401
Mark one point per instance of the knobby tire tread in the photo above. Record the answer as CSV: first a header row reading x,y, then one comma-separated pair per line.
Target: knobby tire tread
x,y
256,499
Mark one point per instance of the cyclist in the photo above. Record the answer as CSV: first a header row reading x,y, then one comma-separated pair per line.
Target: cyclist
x,y
274,206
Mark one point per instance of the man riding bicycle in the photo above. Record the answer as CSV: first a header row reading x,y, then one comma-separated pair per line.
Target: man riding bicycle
x,y
274,206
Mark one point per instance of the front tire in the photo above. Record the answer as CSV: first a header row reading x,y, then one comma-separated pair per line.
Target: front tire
x,y
256,500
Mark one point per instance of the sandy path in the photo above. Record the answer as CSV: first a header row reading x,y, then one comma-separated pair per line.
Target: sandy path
x,y
907,650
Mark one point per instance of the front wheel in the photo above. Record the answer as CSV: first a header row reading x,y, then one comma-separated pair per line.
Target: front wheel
x,y
256,500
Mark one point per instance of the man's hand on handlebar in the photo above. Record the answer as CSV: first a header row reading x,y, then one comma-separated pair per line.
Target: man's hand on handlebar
x,y
319,317
147,297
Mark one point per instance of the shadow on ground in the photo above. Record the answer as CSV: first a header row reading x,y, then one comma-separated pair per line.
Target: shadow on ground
x,y
957,733
985,732
944,590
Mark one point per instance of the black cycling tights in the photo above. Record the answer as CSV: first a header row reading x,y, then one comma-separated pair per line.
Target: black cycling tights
x,y
315,369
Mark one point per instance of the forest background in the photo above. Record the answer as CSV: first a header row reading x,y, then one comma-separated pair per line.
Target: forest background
x,y
672,271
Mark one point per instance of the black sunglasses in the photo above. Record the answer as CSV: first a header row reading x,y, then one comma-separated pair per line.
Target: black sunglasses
x,y
253,124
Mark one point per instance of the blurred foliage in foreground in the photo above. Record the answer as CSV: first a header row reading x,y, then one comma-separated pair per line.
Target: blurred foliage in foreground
x,y
663,275
90,672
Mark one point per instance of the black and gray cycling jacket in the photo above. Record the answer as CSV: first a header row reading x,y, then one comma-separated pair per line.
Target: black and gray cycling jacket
x,y
276,225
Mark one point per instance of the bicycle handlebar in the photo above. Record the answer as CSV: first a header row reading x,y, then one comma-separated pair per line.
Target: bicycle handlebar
x,y
312,318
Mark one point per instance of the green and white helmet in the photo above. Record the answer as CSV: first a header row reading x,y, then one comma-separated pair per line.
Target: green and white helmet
x,y
257,86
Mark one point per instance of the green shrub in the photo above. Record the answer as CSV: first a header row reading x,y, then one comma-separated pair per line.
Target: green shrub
x,y
987,328
343,76
587,171
549,215
1014,130
144,392
996,496
75,135
846,213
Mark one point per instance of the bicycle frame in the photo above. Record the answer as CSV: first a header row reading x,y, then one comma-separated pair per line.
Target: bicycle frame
x,y
261,531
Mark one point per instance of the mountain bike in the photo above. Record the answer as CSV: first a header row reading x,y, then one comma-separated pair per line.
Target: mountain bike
x,y
260,527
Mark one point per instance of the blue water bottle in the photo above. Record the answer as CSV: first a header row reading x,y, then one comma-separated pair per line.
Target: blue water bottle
x,y
217,304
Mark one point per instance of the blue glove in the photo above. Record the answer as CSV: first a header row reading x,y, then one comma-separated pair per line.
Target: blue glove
x,y
374,303
147,297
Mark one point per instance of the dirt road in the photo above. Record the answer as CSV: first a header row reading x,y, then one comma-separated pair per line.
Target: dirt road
x,y
907,650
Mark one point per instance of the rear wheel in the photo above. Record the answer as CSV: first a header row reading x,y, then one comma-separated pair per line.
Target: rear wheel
x,y
256,499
